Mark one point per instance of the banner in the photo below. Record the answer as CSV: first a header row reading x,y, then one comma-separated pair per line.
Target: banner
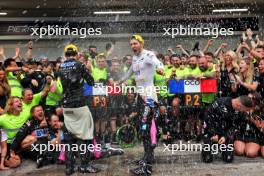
x,y
192,86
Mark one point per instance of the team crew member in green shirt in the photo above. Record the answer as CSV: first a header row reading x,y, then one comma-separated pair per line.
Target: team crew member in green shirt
x,y
11,122
99,102
193,68
54,96
29,99
13,73
207,71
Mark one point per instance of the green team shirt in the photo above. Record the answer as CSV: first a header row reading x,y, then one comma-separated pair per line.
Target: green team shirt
x,y
16,88
12,123
181,72
27,107
160,81
53,98
98,74
193,72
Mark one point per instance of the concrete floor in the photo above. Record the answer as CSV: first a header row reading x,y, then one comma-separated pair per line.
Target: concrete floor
x,y
166,164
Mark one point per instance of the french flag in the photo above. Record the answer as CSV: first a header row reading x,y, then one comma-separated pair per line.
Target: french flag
x,y
97,89
192,86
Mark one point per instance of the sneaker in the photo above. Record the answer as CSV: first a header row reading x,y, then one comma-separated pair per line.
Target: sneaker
x,y
137,162
115,151
88,169
142,170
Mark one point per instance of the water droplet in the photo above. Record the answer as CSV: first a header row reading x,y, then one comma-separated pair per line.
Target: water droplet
x,y
24,12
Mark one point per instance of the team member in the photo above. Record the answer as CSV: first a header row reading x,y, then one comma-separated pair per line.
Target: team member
x,y
220,121
143,66
11,122
34,131
77,116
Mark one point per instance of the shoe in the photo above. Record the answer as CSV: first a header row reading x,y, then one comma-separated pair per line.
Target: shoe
x,y
144,170
207,156
115,151
227,156
40,162
139,162
69,171
88,169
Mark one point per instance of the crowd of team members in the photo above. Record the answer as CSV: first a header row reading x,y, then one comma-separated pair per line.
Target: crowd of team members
x,y
30,97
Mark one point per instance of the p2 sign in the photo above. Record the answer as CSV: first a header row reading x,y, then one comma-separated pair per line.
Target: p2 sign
x,y
192,99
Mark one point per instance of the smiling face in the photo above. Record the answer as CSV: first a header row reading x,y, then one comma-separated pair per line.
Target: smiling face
x,y
209,58
228,59
101,62
203,64
136,46
28,96
54,122
261,66
17,105
166,60
116,66
38,113
243,66
193,62
175,61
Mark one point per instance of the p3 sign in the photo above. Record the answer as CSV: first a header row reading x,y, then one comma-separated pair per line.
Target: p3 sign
x,y
99,101
192,99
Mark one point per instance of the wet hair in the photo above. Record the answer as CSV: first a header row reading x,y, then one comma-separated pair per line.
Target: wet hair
x,y
100,56
247,101
193,55
8,61
249,73
59,59
24,90
33,109
92,46
234,63
256,98
9,105
209,54
160,56
174,55
260,46
125,58
184,55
